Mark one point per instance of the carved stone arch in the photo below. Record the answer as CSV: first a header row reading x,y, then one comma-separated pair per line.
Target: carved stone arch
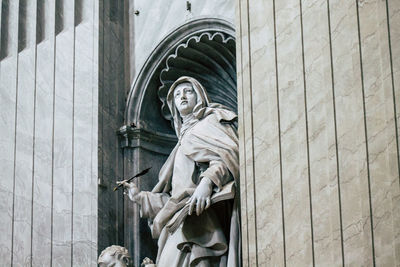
x,y
202,48
205,46
209,58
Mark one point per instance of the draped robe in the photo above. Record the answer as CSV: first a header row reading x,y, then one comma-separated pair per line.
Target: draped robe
x,y
207,147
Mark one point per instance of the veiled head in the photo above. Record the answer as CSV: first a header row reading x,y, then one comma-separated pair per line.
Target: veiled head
x,y
201,99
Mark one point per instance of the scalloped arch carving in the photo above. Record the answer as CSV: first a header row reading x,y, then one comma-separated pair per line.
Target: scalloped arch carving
x,y
203,48
209,58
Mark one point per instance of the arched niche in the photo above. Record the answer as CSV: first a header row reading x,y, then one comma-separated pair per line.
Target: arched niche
x,y
202,48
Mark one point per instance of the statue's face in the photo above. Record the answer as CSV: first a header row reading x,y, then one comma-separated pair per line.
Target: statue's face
x,y
185,98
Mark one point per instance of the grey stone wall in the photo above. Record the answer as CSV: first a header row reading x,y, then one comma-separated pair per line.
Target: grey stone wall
x,y
112,98
48,147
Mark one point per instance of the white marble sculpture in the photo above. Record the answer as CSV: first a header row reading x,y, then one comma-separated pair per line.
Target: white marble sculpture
x,y
114,256
193,209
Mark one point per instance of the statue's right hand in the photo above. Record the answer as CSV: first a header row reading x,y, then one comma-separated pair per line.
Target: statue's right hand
x,y
132,189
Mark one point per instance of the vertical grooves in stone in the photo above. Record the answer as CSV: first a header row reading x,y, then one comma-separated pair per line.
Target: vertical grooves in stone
x,y
73,139
366,135
15,147
252,132
95,111
244,133
279,136
244,138
52,137
336,138
34,134
307,141
15,155
393,90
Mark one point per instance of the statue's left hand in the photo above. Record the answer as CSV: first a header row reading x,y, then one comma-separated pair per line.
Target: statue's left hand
x,y
201,197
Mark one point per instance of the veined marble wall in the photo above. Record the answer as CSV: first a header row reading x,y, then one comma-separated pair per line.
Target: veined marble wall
x,y
48,136
319,102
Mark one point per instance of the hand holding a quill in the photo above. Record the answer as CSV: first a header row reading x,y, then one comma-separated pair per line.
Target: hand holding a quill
x,y
133,190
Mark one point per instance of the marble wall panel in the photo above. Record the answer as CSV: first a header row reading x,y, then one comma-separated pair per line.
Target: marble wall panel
x,y
42,186
296,199
243,191
393,17
393,14
94,133
24,150
37,93
271,250
353,165
111,108
321,134
338,130
83,186
63,139
248,145
8,85
105,228
43,157
381,131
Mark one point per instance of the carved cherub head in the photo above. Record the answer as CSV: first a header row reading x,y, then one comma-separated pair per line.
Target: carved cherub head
x,y
114,256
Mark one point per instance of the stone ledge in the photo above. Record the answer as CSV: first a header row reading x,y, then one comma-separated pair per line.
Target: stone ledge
x,y
133,137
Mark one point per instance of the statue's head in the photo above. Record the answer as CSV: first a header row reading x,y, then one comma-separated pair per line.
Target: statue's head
x,y
186,95
185,98
114,256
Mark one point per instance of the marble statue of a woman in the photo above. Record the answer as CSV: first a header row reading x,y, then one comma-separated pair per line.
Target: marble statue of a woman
x,y
203,163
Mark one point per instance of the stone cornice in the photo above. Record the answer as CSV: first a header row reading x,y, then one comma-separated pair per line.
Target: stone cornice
x,y
133,137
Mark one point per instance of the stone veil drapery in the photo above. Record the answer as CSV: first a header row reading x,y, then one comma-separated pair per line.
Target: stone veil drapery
x,y
211,139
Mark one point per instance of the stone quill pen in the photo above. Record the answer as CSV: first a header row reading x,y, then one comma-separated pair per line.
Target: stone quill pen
x,y
133,177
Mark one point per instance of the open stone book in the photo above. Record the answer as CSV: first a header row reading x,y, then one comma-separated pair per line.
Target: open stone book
x,y
227,192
